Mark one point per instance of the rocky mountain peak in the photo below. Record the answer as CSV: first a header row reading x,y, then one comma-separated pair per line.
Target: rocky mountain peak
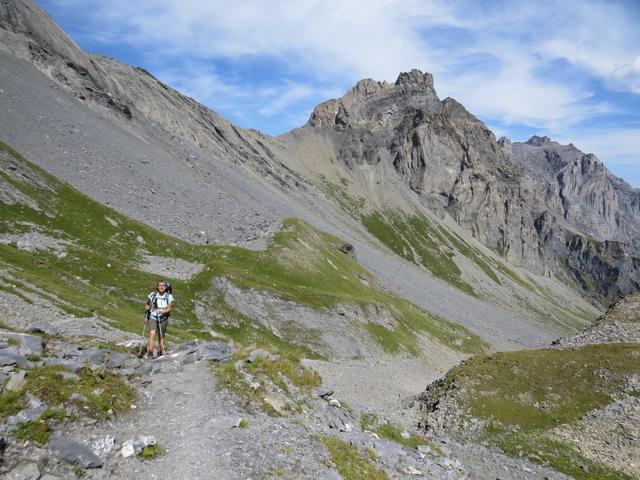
x,y
377,103
538,141
415,79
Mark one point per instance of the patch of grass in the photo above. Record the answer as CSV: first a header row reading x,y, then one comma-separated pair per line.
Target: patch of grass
x,y
48,385
523,395
305,265
418,241
32,357
10,403
368,420
394,433
303,378
152,451
233,380
244,423
481,260
539,389
560,456
39,430
36,430
350,204
351,463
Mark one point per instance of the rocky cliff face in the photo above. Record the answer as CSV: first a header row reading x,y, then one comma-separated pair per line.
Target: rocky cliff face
x,y
547,207
578,188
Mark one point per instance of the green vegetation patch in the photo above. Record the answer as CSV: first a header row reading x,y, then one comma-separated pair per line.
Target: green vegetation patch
x,y
152,451
524,395
104,390
39,430
303,378
415,239
540,389
232,379
559,455
370,421
339,192
307,266
351,463
10,403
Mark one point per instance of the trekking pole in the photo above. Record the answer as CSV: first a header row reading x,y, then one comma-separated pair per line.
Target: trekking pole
x,y
158,324
144,330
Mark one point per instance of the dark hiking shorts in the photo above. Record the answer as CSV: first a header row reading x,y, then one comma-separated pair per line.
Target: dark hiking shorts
x,y
152,324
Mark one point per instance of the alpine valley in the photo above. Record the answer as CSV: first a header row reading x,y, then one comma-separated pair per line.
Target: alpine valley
x,y
388,291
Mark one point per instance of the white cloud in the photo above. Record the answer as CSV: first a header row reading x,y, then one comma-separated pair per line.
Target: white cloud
x,y
320,46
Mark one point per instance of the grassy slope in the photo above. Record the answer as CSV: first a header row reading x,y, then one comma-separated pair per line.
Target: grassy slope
x,y
521,396
99,275
418,240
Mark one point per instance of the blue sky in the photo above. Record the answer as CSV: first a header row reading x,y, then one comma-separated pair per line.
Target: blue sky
x,y
569,70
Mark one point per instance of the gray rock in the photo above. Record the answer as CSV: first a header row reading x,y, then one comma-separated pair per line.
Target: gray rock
x,y
324,392
78,396
16,381
28,344
144,369
259,352
6,360
48,476
216,351
73,452
32,400
27,415
94,356
70,365
117,360
11,354
28,471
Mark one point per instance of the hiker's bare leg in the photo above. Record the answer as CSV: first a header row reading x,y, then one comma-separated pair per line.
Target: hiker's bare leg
x,y
152,336
161,343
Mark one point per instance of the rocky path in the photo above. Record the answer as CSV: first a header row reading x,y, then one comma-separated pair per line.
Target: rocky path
x,y
198,425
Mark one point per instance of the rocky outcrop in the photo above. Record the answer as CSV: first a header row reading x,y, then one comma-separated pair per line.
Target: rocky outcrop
x,y
620,324
578,188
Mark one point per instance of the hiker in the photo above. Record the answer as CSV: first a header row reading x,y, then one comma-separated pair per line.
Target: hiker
x,y
158,307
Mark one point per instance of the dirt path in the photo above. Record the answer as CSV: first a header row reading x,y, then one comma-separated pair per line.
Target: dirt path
x,y
196,424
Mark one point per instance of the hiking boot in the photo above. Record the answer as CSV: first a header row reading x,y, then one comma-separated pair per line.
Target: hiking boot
x,y
150,354
160,353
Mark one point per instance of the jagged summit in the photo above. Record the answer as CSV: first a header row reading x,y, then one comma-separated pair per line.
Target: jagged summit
x,y
537,141
416,79
379,103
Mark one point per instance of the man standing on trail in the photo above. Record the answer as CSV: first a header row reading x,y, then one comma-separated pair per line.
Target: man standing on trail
x,y
159,306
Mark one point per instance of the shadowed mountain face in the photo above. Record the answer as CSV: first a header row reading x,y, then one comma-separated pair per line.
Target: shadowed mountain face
x,y
545,207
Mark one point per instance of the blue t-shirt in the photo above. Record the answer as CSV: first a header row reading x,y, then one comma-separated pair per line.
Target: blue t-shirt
x,y
161,301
